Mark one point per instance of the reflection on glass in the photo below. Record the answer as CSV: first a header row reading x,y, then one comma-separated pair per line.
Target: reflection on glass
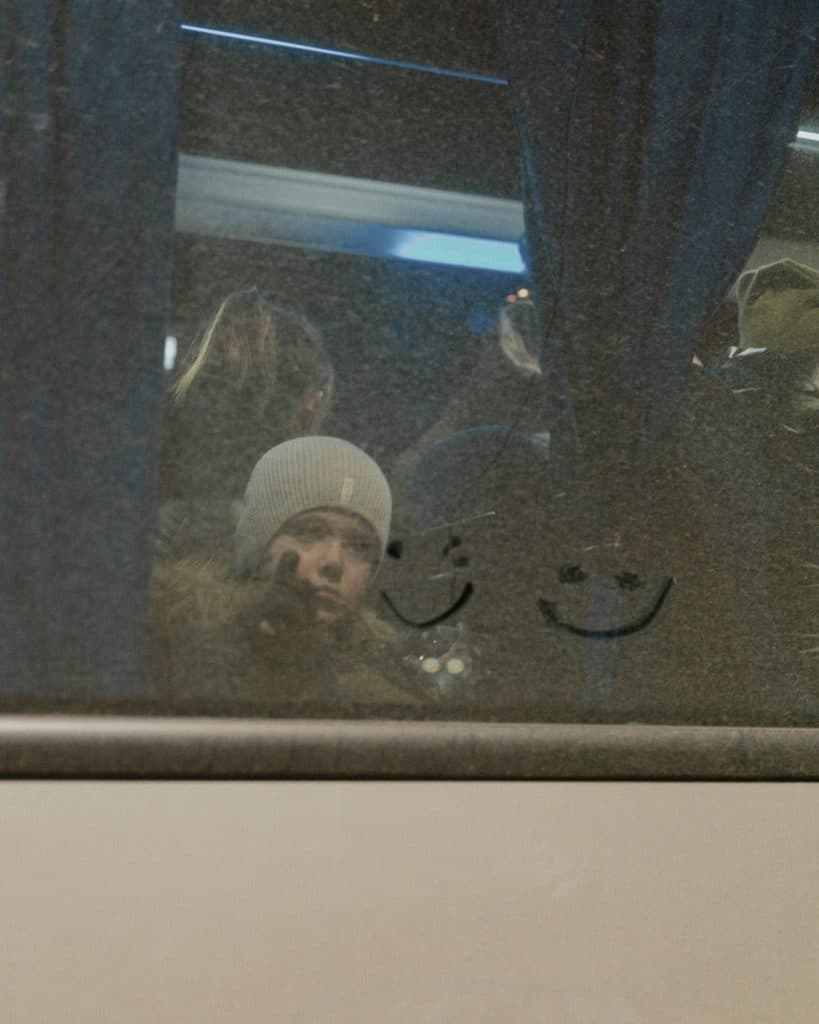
x,y
496,594
532,566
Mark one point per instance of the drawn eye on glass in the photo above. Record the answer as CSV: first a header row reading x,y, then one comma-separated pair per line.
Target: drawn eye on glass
x,y
628,580
571,574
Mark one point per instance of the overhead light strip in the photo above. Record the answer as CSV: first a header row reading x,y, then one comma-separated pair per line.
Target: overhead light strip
x,y
323,51
276,205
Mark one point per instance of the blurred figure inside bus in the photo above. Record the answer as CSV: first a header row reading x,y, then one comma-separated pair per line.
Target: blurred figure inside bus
x,y
258,376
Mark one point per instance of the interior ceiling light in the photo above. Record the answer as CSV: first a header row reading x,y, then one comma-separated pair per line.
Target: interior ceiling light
x,y
458,251
169,356
277,205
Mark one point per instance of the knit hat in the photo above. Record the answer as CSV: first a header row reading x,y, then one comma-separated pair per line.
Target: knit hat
x,y
779,307
307,473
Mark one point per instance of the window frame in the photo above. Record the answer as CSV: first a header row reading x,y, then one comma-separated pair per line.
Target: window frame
x,y
131,747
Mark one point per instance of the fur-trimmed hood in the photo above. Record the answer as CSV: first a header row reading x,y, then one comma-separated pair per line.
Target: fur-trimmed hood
x,y
209,641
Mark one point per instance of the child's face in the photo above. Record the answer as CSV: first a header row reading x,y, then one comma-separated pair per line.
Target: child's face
x,y
337,553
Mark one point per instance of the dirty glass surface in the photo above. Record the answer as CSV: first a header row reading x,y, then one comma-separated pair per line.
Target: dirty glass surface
x,y
382,203
349,264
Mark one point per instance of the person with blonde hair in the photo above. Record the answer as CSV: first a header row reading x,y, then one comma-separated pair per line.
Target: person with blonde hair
x,y
259,375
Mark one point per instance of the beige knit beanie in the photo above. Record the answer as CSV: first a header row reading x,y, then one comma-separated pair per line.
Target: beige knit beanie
x,y
779,307
303,474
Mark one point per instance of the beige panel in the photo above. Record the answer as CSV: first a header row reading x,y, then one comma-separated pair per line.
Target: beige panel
x,y
402,902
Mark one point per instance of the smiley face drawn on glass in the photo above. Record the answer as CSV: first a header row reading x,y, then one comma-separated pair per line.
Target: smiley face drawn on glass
x,y
614,602
601,601
431,575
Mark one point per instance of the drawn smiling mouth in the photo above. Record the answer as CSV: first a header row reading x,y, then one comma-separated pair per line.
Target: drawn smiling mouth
x,y
549,611
466,593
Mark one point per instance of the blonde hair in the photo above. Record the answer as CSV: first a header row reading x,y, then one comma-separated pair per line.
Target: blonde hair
x,y
260,350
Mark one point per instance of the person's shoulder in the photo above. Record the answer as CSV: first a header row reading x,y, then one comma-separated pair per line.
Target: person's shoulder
x,y
198,593
188,528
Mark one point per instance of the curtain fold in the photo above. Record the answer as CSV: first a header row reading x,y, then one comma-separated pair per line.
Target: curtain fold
x,y
653,134
88,145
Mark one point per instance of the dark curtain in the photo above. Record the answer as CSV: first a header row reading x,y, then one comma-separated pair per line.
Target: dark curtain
x,y
653,134
652,137
88,141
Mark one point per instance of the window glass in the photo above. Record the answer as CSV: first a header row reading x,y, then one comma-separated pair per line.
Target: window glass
x,y
372,499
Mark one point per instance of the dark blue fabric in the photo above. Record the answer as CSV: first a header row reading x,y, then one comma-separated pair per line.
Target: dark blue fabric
x,y
652,137
88,144
653,134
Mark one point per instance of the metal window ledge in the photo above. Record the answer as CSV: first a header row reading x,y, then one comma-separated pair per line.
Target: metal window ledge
x,y
75,746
